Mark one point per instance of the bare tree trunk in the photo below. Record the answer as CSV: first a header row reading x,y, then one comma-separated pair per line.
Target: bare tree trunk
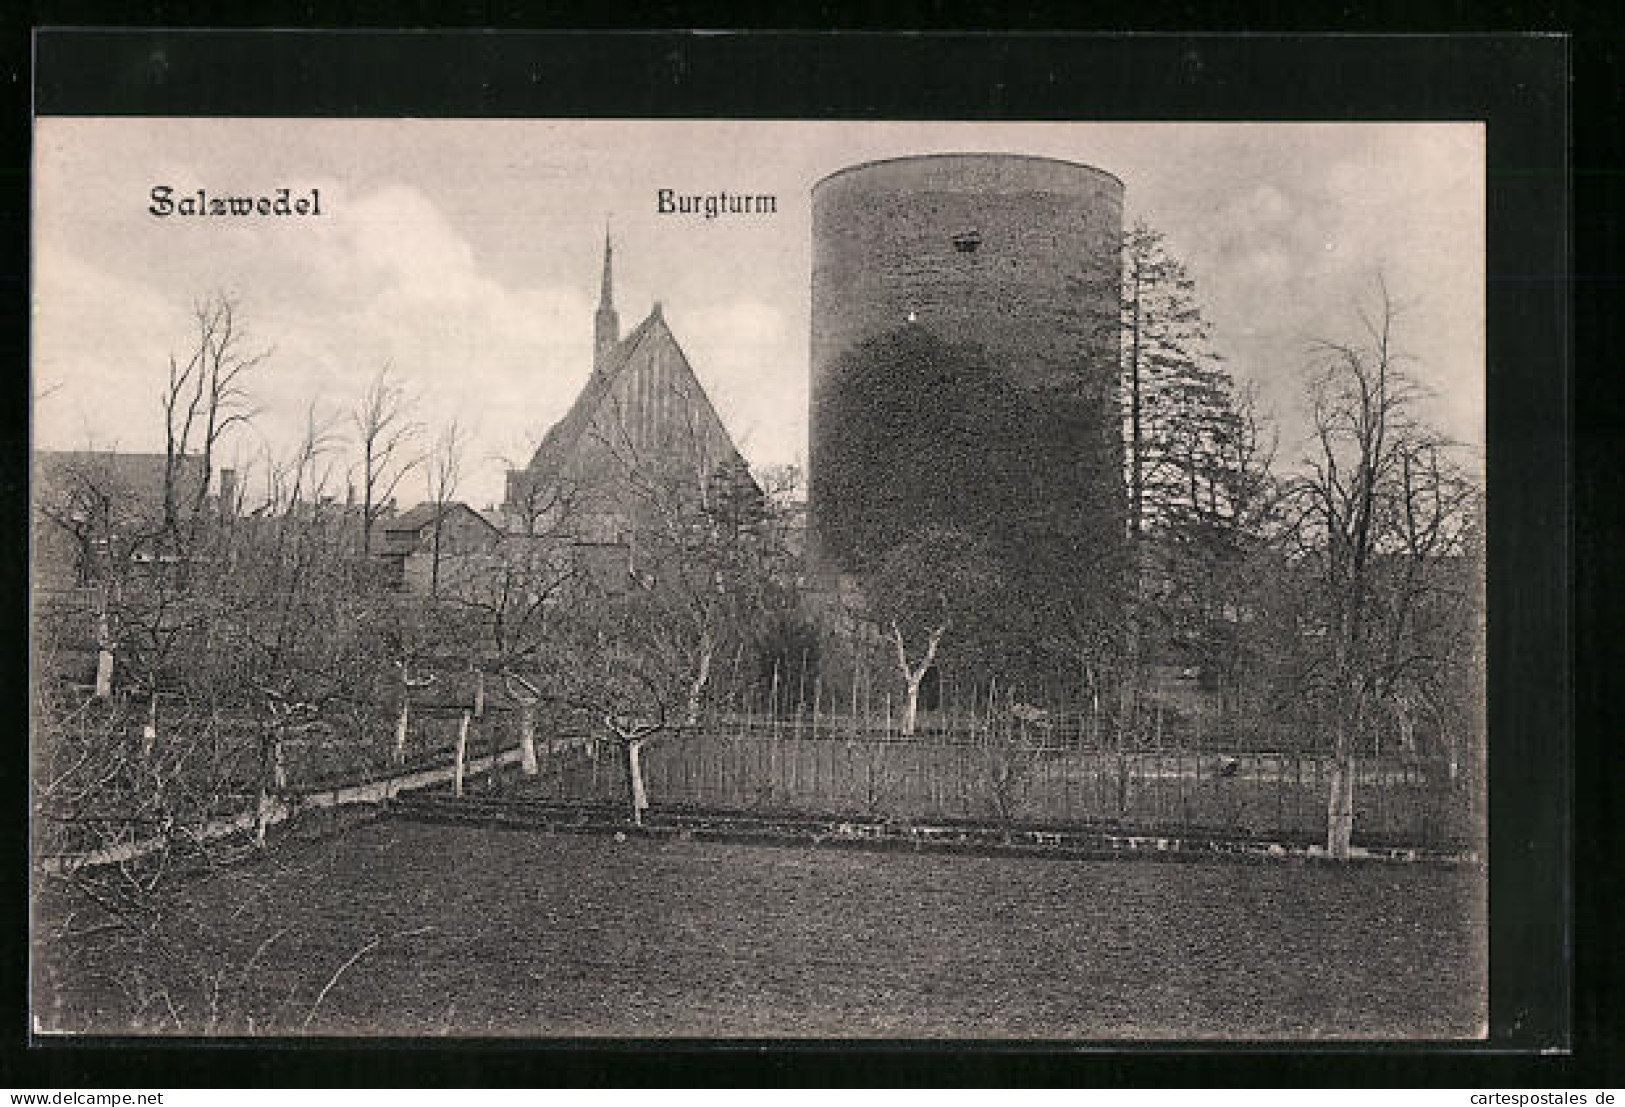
x,y
434,564
911,706
634,779
262,804
1340,807
527,739
696,691
149,730
462,752
262,817
400,728
479,693
1340,794
104,658
913,675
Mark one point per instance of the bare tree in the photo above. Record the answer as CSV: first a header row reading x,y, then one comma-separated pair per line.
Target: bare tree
x,y
702,566
245,656
442,473
122,529
537,503
1380,521
507,601
940,579
1012,740
204,398
387,436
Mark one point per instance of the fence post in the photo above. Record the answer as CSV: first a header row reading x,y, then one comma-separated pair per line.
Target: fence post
x,y
1280,799
1197,741
801,688
1179,784
1156,817
1048,773
766,748
957,771
400,727
1297,789
591,748
773,699
687,763
812,754
527,738
1280,792
1376,764
853,718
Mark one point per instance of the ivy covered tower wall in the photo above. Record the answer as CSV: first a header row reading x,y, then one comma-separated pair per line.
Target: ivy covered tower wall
x,y
965,362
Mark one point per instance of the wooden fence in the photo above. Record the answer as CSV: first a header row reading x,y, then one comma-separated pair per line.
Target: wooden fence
x,y
947,776
1004,765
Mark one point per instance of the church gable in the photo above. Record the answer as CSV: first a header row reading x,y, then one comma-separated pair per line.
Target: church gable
x,y
644,407
654,412
641,427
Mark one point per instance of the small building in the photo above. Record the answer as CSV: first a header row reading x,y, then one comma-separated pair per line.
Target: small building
x,y
432,543
94,511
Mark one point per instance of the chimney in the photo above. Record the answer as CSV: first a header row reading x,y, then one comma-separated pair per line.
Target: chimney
x,y
228,494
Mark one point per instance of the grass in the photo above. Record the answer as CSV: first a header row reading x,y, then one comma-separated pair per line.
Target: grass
x,y
413,929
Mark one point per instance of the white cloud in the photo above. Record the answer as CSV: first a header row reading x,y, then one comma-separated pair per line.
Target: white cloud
x,y
392,282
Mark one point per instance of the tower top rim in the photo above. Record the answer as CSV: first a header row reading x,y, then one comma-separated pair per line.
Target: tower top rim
x,y
969,157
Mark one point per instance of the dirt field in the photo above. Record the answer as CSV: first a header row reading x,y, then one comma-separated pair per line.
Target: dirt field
x,y
472,931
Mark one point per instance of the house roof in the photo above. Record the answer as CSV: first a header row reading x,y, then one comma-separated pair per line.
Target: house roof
x,y
402,532
412,519
136,478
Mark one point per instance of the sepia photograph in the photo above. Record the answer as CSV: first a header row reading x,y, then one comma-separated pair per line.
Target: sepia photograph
x,y
767,579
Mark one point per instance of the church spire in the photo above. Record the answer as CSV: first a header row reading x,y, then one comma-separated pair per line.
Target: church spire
x,y
606,324
606,292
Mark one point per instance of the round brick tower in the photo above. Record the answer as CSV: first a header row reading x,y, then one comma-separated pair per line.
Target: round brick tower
x,y
1017,256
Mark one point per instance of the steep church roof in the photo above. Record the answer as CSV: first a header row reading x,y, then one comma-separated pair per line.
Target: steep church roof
x,y
562,437
661,397
642,413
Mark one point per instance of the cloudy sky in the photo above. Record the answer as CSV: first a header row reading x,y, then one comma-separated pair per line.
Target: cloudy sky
x,y
466,255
